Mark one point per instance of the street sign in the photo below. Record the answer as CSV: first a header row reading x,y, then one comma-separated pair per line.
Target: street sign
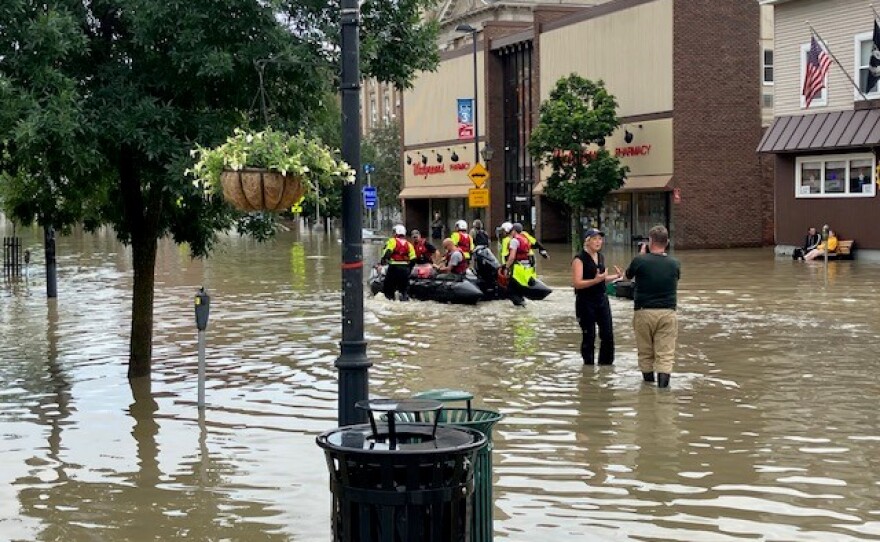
x,y
371,198
478,197
478,175
369,168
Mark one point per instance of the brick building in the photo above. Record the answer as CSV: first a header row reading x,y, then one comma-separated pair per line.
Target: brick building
x,y
687,77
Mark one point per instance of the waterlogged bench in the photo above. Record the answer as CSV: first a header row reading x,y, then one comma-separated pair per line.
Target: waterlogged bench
x,y
844,251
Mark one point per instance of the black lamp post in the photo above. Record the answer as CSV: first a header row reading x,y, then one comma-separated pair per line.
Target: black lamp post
x,y
473,32
352,363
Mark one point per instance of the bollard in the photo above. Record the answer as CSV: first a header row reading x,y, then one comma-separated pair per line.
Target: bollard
x,y
203,308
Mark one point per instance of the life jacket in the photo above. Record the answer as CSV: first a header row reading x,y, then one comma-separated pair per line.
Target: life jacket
x,y
462,266
505,249
422,254
522,251
463,243
400,254
532,241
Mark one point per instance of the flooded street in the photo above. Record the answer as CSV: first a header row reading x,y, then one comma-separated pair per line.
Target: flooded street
x,y
769,431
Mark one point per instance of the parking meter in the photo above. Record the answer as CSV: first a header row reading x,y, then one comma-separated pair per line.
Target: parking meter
x,y
203,307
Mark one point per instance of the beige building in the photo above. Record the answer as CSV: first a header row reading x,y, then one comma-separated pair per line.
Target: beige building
x,y
688,129
825,154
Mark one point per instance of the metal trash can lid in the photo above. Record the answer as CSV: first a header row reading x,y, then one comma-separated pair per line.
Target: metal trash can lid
x,y
445,395
412,438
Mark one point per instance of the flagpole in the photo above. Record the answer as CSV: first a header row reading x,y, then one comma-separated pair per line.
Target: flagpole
x,y
876,15
828,50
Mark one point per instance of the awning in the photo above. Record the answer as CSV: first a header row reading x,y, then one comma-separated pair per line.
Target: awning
x,y
638,183
426,192
822,131
646,183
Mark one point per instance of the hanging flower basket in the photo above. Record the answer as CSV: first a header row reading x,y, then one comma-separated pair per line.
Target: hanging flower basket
x,y
252,189
266,171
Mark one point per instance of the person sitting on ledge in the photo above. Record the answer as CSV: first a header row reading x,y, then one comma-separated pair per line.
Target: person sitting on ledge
x,y
811,241
820,250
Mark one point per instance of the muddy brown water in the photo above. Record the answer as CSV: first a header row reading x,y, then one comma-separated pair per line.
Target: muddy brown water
x,y
769,432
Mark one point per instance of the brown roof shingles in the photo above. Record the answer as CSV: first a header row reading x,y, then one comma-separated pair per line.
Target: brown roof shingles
x,y
822,131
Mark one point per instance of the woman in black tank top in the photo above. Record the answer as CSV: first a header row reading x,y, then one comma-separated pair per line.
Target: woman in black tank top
x,y
592,308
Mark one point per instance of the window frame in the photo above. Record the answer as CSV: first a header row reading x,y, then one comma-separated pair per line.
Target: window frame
x,y
764,66
822,99
858,40
825,158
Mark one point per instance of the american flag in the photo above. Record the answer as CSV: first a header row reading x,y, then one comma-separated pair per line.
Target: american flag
x,y
818,63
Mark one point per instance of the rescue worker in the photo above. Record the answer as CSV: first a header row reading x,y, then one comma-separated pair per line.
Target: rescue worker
x,y
462,240
425,251
534,242
503,234
520,271
455,263
399,255
479,235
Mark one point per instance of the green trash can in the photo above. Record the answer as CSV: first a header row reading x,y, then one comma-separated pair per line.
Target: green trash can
x,y
483,421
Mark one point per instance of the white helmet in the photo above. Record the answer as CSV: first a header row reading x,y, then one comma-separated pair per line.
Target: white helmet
x,y
399,230
461,225
506,227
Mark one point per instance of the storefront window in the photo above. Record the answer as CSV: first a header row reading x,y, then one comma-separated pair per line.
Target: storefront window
x,y
838,175
811,173
835,177
616,219
860,176
651,209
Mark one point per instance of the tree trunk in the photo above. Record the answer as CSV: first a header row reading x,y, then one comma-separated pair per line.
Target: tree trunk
x,y
141,344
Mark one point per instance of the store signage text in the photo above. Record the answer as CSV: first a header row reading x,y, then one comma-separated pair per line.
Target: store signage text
x,y
620,152
420,170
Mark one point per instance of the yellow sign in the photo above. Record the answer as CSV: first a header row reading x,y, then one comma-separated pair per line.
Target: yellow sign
x,y
297,207
478,175
478,197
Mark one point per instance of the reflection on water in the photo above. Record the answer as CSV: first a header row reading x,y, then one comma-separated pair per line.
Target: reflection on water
x,y
769,431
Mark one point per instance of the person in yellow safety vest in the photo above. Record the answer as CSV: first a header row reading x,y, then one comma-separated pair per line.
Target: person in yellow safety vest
x,y
462,240
503,233
534,242
519,267
399,255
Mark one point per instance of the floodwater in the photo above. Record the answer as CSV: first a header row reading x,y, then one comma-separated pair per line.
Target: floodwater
x,y
769,431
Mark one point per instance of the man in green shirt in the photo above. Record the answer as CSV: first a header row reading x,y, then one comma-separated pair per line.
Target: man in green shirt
x,y
655,275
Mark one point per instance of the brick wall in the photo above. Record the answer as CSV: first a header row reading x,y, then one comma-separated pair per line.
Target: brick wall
x,y
725,198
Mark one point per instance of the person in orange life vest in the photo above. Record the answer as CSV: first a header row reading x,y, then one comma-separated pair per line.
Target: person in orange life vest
x,y
462,240
454,261
518,266
399,255
425,251
533,242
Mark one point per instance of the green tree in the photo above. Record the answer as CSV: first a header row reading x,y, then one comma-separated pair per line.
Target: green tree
x,y
578,114
103,100
382,149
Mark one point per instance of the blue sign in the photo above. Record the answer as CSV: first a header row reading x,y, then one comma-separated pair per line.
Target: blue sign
x,y
369,168
371,198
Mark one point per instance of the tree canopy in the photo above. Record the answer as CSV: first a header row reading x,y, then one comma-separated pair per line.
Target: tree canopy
x,y
569,139
102,102
382,150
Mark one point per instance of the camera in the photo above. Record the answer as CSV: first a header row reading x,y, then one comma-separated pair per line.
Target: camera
x,y
642,246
